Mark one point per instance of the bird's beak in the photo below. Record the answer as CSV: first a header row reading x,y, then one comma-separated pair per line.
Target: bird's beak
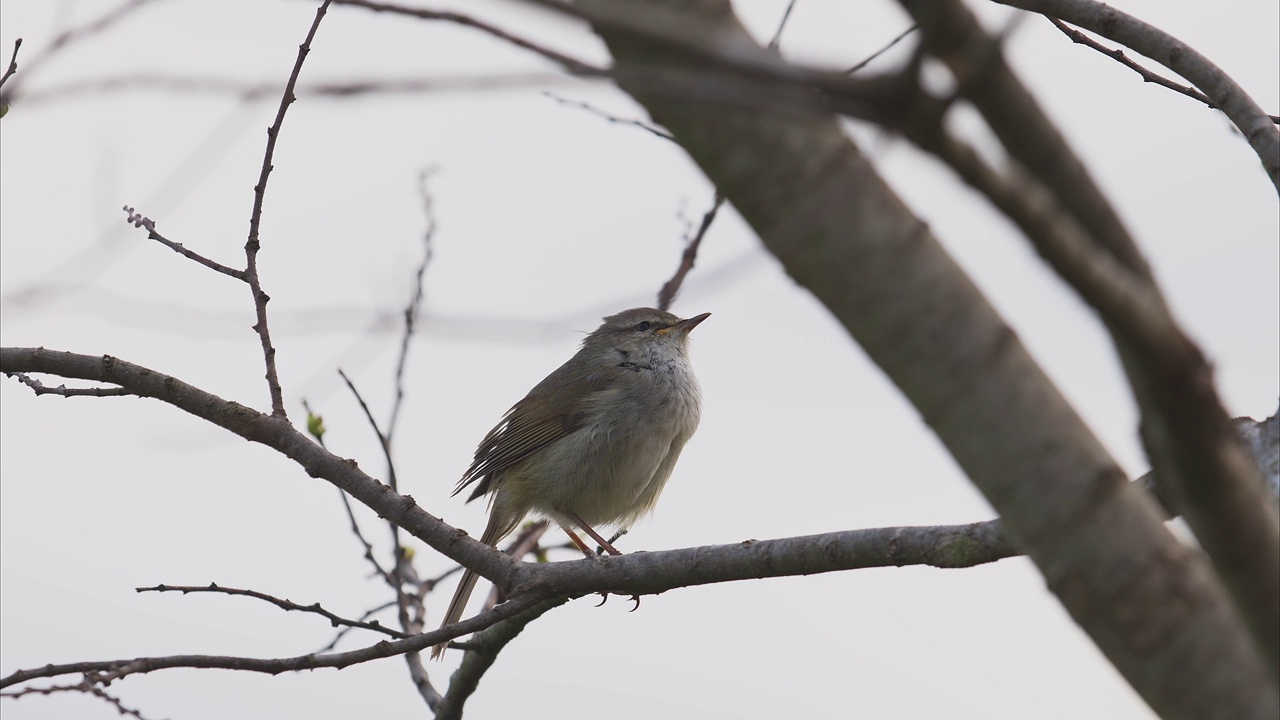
x,y
685,326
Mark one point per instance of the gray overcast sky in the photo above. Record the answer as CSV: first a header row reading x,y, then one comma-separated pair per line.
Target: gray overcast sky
x,y
549,218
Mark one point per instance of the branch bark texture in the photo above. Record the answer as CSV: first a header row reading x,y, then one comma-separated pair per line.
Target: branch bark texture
x,y
1151,604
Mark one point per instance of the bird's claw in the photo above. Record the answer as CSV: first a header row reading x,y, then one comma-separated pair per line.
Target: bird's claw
x,y
635,599
604,598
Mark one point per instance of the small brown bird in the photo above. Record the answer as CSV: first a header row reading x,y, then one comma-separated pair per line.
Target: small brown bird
x,y
594,443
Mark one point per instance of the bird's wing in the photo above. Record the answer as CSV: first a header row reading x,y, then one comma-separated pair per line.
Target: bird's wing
x,y
554,408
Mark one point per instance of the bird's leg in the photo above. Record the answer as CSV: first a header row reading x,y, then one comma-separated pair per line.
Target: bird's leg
x,y
577,541
609,548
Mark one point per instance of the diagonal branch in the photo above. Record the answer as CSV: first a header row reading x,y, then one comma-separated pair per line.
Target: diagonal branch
x,y
1147,76
667,294
13,63
1188,435
838,229
483,650
146,223
1225,94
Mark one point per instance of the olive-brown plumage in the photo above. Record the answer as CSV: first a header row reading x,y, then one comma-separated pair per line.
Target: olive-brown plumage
x,y
594,443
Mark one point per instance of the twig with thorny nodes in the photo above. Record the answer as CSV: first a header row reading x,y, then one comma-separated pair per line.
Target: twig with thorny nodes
x,y
13,62
667,294
146,223
64,391
283,604
251,247
1147,75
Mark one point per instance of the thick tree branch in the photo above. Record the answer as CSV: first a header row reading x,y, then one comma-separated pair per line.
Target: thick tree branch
x,y
482,651
526,584
837,228
951,33
1206,468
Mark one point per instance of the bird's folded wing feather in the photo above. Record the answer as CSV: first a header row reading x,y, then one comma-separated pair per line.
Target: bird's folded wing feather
x,y
556,407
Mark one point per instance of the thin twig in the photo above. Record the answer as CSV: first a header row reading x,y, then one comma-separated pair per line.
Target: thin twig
x,y
112,670
248,90
86,686
411,608
782,24
368,414
281,603
1147,75
882,50
252,246
413,311
525,543
13,62
343,632
1255,125
114,701
669,289
572,65
64,391
368,547
611,118
318,433
149,225
78,33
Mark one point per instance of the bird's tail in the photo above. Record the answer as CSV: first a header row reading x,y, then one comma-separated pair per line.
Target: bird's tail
x,y
497,529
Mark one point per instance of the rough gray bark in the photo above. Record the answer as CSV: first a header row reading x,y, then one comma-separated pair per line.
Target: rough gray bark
x,y
1152,605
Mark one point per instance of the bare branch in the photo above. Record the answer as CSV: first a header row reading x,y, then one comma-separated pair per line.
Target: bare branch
x,y
149,225
943,546
413,311
109,671
752,81
411,609
658,132
667,294
525,542
335,620
368,415
526,584
87,686
59,42
1147,75
368,547
1188,435
573,65
782,25
868,60
482,651
1256,125
248,90
251,247
13,63
840,231
64,391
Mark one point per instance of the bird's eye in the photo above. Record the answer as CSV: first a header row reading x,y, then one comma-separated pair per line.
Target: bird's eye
x,y
642,326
